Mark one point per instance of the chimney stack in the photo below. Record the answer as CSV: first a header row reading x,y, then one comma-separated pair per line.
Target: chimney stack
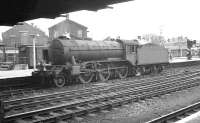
x,y
65,15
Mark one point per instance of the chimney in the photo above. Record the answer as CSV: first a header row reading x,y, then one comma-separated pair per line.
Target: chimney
x,y
139,37
65,15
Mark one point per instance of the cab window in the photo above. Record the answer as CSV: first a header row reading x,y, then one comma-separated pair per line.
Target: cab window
x,y
131,48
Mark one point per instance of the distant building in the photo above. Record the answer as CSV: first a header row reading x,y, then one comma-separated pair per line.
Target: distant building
x,y
177,49
156,39
18,43
68,28
177,46
20,35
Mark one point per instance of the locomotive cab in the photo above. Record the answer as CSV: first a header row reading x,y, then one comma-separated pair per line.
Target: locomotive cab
x,y
130,50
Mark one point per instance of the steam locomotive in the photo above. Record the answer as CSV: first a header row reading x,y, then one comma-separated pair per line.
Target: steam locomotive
x,y
88,60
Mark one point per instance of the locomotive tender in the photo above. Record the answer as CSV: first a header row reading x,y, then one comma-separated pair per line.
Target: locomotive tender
x,y
87,61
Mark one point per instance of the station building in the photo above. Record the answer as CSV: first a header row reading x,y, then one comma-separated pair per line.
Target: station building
x,y
177,49
70,28
180,49
18,43
20,35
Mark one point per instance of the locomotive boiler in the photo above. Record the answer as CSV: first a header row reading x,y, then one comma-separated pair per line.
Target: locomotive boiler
x,y
86,61
61,51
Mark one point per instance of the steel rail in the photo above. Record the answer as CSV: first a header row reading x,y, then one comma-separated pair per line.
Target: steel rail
x,y
102,97
96,87
5,95
91,92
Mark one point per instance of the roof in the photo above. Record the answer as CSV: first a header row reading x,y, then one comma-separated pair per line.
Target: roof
x,y
129,42
176,45
71,21
143,42
25,27
13,11
68,21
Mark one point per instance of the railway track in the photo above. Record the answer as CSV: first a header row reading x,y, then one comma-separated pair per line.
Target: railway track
x,y
57,106
15,89
137,82
20,92
178,115
16,93
99,89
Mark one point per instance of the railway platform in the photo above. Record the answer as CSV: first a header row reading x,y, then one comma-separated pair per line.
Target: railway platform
x,y
20,70
194,118
183,59
15,73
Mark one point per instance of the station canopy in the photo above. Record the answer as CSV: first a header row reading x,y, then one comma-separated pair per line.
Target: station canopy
x,y
14,11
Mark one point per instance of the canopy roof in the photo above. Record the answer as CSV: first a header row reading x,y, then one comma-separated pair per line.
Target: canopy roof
x,y
13,11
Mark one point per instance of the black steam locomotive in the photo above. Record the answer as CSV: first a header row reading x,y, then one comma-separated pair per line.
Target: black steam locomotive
x,y
86,61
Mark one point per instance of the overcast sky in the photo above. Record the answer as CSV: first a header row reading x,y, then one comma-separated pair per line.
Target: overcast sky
x,y
127,20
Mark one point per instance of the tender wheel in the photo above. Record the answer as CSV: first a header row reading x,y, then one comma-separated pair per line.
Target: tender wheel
x,y
104,74
59,81
154,70
122,72
86,77
160,68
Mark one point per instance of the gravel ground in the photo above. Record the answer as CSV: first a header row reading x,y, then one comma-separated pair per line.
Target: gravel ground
x,y
145,110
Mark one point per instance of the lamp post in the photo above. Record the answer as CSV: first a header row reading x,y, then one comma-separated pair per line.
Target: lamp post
x,y
34,55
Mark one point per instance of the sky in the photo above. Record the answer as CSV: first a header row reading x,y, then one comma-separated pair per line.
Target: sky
x,y
130,19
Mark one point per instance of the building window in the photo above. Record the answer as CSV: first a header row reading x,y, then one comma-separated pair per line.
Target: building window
x,y
132,48
55,34
80,33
